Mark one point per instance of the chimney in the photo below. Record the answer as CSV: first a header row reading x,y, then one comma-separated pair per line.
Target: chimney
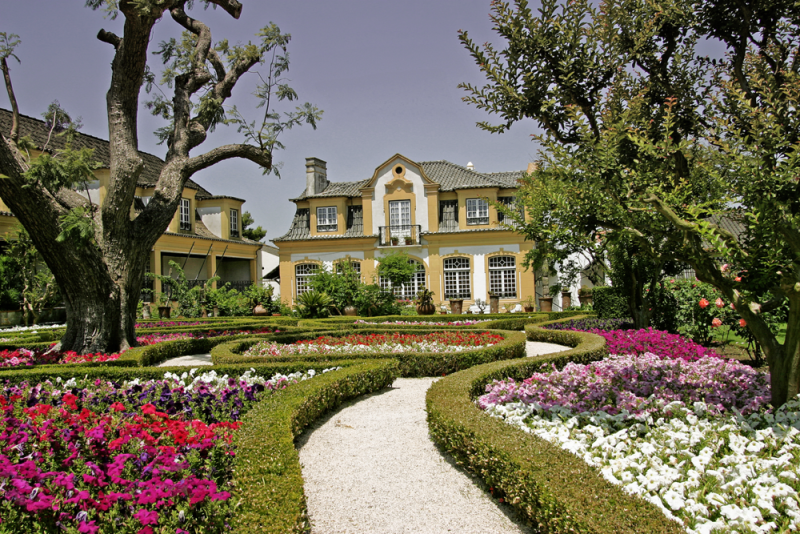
x,y
470,166
532,166
316,176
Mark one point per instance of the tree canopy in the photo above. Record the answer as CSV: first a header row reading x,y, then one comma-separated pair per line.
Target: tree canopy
x,y
693,155
98,253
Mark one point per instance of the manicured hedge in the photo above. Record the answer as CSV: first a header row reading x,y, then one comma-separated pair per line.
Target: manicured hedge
x,y
547,485
267,466
609,303
411,365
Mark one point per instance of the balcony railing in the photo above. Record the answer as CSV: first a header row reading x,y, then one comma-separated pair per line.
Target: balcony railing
x,y
239,285
400,235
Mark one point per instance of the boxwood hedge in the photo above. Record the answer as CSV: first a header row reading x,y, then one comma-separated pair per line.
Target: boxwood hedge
x,y
552,488
267,468
410,364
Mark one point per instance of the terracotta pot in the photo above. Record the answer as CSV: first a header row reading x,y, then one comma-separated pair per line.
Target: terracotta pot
x,y
351,311
443,313
260,311
276,314
566,300
456,306
164,311
494,304
546,304
585,300
204,314
528,309
426,309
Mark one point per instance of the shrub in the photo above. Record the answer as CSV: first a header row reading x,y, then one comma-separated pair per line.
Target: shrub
x,y
609,304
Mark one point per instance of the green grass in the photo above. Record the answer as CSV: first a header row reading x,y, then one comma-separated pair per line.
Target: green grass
x,y
725,335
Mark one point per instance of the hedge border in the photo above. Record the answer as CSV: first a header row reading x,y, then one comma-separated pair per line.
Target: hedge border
x,y
410,365
550,487
267,465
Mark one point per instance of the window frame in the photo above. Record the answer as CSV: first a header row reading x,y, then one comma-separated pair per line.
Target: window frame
x,y
185,224
407,291
480,204
234,220
502,279
327,226
312,269
458,276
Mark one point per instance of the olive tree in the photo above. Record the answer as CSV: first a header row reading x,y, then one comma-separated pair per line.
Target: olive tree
x,y
693,154
98,253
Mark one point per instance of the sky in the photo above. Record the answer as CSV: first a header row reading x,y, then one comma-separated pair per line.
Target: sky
x,y
384,73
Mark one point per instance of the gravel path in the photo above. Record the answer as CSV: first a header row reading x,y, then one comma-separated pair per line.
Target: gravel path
x,y
371,468
188,361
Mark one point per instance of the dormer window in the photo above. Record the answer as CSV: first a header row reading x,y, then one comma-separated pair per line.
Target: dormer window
x,y
185,219
326,219
477,211
234,223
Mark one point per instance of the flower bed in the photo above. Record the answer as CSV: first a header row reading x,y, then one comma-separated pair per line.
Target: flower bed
x,y
167,324
591,323
142,456
425,323
643,341
152,339
394,343
697,439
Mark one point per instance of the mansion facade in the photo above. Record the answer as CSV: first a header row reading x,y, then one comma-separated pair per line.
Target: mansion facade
x,y
204,237
436,211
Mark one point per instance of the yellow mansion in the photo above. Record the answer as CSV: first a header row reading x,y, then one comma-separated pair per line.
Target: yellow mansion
x,y
436,211
204,237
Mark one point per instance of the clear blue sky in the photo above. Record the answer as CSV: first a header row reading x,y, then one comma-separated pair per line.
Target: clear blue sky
x,y
385,73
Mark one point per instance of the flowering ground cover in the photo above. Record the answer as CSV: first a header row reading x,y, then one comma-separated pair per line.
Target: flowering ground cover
x,y
394,342
426,323
24,357
696,438
591,323
168,324
144,456
642,341
31,329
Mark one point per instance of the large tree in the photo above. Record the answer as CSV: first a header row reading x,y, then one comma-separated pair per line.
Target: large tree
x,y
98,253
678,119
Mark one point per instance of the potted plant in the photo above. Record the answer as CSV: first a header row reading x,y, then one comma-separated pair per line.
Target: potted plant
x,y
585,296
456,306
528,304
424,302
395,241
259,299
494,302
481,304
443,310
408,240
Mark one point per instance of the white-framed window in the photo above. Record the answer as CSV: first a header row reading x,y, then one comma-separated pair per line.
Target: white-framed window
x,y
477,211
503,276
356,265
234,223
185,217
326,219
407,291
302,276
457,278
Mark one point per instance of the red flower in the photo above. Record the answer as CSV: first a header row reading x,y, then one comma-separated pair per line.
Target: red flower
x,y
118,407
703,303
716,322
742,323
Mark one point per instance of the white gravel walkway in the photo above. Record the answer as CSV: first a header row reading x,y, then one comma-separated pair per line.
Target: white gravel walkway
x,y
188,361
371,468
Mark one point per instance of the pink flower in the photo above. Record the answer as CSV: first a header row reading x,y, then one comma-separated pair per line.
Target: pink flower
x,y
725,268
718,303
738,278
742,323
716,322
146,517
733,306
703,303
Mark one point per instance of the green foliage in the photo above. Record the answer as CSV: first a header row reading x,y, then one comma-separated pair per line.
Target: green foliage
x,y
396,267
314,304
424,297
372,300
191,300
694,158
609,303
10,283
38,285
257,233
341,286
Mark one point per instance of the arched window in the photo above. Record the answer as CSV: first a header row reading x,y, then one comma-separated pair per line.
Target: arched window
x,y
302,275
503,276
407,291
456,278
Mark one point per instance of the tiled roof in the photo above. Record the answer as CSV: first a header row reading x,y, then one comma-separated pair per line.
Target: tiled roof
x,y
300,229
731,222
449,176
38,131
6,214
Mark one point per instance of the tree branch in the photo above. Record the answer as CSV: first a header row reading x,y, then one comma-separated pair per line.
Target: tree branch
x,y
14,134
110,38
203,161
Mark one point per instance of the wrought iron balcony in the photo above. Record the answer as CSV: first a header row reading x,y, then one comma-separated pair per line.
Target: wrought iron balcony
x,y
399,235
